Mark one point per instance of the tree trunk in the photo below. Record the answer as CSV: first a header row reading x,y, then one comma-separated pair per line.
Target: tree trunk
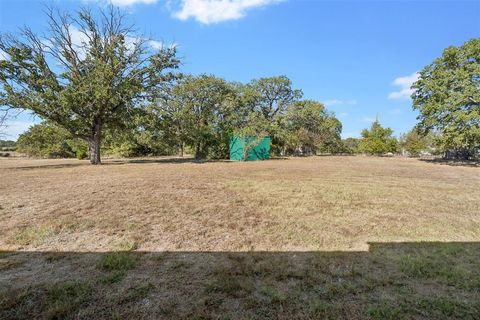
x,y
94,143
197,151
180,149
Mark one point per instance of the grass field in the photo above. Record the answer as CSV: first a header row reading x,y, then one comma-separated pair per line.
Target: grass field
x,y
300,238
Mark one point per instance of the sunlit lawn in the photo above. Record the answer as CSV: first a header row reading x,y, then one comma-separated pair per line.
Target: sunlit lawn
x,y
318,237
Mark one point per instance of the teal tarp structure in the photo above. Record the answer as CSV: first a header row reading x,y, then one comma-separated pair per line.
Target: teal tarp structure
x,y
258,148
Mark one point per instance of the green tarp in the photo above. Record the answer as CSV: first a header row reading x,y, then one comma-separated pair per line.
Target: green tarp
x,y
257,148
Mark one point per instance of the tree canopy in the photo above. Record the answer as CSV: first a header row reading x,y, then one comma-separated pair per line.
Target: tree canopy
x,y
447,95
378,140
311,127
83,86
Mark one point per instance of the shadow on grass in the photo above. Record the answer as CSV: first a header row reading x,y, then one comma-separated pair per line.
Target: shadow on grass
x,y
390,281
455,163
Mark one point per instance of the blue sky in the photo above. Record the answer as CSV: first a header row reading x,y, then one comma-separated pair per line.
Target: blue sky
x,y
357,57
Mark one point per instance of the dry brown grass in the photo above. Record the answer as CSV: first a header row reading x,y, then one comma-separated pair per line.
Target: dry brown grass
x,y
249,240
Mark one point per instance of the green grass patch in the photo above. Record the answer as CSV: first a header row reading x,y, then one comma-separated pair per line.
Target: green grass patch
x,y
273,294
113,276
385,311
447,307
63,299
138,292
117,261
34,236
433,267
324,310
116,264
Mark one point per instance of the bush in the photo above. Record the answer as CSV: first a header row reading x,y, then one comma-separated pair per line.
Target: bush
x,y
81,154
49,141
378,140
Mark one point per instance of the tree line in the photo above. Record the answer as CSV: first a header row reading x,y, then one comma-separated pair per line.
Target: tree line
x,y
114,91
198,115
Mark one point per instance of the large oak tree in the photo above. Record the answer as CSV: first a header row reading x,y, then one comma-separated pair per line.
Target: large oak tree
x,y
89,73
447,95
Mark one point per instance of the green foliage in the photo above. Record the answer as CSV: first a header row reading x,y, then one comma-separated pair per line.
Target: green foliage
x,y
81,154
5,145
350,145
120,261
415,142
447,96
310,128
385,311
199,113
96,84
270,96
50,141
377,140
143,136
62,299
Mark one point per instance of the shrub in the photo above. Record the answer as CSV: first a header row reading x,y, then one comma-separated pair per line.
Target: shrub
x,y
49,141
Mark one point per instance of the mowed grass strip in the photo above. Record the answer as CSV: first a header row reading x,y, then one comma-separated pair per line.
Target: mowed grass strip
x,y
319,237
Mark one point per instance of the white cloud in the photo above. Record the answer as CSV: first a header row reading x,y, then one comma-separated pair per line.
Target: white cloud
x,y
404,83
13,129
214,11
342,114
158,45
79,39
123,3
126,3
333,102
154,44
4,55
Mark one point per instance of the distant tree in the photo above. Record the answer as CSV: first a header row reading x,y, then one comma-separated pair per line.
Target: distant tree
x,y
95,83
447,95
271,96
141,138
50,141
311,127
7,145
350,145
171,120
197,110
415,142
377,140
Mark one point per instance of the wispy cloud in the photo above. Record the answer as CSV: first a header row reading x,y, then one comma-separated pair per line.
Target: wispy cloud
x,y
367,119
215,11
158,45
404,84
126,3
3,55
80,41
333,102
123,3
342,114
13,129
